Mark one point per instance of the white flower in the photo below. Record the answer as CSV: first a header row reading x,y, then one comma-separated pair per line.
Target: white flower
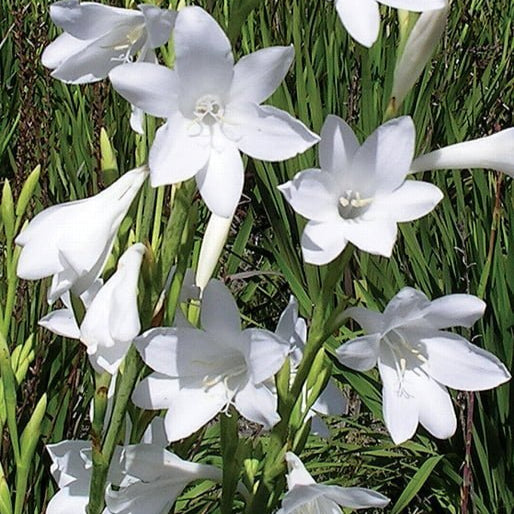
x,y
212,110
361,18
98,38
112,319
331,401
360,192
72,241
305,496
71,468
494,152
152,478
198,373
149,478
417,359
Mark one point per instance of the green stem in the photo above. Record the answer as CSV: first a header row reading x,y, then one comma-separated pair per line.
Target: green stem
x,y
281,437
229,451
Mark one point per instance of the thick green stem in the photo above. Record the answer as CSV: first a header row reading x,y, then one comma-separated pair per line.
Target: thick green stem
x,y
229,451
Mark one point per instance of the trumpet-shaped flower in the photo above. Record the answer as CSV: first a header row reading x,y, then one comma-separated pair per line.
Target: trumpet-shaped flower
x,y
98,38
73,240
198,373
112,319
360,192
305,496
71,468
152,478
212,110
417,359
331,401
361,18
148,479
491,152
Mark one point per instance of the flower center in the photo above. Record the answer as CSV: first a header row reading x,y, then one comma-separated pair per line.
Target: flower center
x,y
405,356
208,109
127,42
352,205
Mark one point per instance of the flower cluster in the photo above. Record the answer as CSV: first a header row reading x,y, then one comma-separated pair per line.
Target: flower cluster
x,y
205,365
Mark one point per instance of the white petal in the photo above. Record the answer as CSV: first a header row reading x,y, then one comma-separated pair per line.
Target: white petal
x,y
72,498
435,406
454,310
313,194
60,49
297,475
258,75
416,5
220,314
155,433
319,427
338,145
177,352
176,155
376,237
361,18
400,406
191,409
225,167
322,242
303,497
109,358
267,133
158,23
422,40
89,20
331,401
266,353
204,60
290,327
355,497
137,120
492,152
151,87
412,200
361,353
67,463
157,496
406,307
370,321
386,156
155,391
256,403
61,322
458,364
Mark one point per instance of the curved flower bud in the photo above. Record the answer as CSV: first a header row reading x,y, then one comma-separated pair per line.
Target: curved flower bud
x,y
72,241
112,320
305,495
420,45
417,360
494,152
97,38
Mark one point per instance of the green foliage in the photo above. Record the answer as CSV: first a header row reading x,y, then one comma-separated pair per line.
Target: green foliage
x,y
77,139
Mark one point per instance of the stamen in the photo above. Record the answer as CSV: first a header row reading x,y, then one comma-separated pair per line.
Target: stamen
x,y
352,205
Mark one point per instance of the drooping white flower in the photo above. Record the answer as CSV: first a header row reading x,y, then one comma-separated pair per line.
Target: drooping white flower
x,y
72,241
112,319
152,478
360,192
494,152
331,401
213,111
417,359
98,38
71,468
361,18
198,373
305,496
